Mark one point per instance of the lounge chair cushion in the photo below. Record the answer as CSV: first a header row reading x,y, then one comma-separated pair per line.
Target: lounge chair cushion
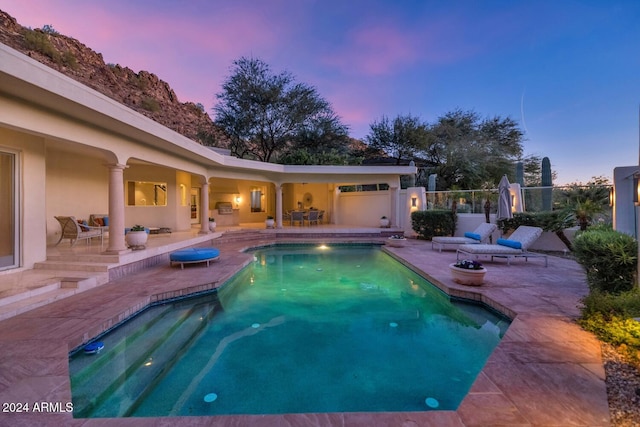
x,y
474,236
509,243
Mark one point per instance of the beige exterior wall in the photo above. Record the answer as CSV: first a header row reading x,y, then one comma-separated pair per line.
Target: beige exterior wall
x,y
363,208
76,185
33,198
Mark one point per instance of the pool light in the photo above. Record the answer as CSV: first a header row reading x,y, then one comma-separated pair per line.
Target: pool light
x,y
210,397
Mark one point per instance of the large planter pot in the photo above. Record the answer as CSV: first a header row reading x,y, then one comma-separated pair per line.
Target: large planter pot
x,y
136,239
464,276
270,223
396,243
212,226
384,223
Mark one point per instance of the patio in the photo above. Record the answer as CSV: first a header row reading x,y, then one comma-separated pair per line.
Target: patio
x,y
546,370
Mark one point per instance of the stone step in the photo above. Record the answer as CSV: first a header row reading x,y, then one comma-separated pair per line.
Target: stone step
x,y
38,300
73,266
85,258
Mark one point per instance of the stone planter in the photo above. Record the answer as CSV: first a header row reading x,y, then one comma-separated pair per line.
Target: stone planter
x,y
270,223
465,276
384,223
212,226
136,239
396,243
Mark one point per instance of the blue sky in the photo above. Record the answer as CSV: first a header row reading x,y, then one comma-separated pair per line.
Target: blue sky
x,y
567,71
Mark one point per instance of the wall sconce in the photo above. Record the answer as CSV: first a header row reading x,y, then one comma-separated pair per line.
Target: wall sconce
x,y
414,202
612,196
237,200
636,190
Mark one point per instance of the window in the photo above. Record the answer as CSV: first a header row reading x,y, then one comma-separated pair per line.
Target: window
x,y
8,211
142,193
363,187
256,195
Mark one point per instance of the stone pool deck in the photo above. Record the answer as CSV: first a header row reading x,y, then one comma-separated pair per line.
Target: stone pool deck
x,y
545,372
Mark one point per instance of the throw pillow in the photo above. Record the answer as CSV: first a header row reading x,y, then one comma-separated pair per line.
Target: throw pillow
x,y
510,243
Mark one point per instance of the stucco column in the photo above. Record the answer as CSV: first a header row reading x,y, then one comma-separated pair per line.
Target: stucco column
x,y
278,205
116,209
395,201
336,195
204,208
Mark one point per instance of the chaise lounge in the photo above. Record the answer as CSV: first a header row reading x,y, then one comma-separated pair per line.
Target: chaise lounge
x,y
74,231
477,236
515,246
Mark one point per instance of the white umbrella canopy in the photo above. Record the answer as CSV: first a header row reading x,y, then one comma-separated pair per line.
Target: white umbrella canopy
x,y
504,199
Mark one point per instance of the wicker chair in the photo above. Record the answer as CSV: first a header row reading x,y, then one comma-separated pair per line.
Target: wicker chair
x,y
73,231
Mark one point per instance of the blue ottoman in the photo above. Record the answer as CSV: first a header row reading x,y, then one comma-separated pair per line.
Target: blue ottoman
x,y
192,255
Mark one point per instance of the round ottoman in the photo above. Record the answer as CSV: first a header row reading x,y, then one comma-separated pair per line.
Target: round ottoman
x,y
192,255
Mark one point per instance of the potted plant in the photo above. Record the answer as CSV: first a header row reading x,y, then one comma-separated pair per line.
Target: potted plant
x,y
467,272
269,222
384,222
136,238
397,241
212,224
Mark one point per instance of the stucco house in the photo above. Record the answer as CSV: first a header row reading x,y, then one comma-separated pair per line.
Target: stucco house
x,y
66,149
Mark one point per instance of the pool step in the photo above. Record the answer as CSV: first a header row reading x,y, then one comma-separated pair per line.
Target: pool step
x,y
98,392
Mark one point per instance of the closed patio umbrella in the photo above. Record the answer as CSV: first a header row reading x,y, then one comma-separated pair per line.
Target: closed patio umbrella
x,y
504,199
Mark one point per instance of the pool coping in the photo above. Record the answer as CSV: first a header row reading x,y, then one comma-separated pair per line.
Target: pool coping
x,y
546,370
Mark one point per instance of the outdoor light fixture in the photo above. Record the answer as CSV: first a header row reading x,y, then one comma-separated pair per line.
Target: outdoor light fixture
x,y
612,196
238,200
636,190
414,202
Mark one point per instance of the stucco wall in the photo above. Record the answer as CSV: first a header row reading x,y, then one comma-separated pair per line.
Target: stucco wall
x,y
363,208
153,216
33,198
77,185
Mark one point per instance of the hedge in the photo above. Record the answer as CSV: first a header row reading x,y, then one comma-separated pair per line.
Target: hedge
x,y
438,222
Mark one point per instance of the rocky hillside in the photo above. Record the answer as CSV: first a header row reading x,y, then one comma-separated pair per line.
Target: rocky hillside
x,y
144,92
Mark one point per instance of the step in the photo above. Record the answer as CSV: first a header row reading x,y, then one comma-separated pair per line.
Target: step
x,y
51,285
26,304
73,266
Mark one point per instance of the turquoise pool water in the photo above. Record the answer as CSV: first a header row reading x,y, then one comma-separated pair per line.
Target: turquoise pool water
x,y
302,329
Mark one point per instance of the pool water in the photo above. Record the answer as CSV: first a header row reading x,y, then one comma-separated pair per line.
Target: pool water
x,y
302,329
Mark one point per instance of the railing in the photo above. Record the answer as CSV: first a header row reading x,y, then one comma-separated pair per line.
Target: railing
x,y
536,199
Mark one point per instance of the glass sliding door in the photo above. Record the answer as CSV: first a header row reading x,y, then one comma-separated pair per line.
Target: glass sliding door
x,y
8,212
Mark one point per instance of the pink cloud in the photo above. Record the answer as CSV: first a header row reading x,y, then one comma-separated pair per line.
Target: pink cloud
x,y
373,51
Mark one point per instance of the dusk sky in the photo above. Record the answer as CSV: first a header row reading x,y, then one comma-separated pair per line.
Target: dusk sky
x,y
567,71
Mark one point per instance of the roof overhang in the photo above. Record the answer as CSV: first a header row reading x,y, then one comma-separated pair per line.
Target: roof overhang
x,y
28,80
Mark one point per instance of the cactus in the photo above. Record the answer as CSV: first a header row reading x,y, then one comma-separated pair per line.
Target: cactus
x,y
546,182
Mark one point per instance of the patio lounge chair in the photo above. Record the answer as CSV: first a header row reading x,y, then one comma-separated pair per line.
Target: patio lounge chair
x,y
72,230
477,236
515,246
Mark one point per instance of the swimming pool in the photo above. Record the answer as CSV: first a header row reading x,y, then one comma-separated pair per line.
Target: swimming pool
x,y
302,329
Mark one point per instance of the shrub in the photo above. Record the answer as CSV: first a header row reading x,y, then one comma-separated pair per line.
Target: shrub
x,y
623,333
150,104
434,223
547,220
39,41
609,259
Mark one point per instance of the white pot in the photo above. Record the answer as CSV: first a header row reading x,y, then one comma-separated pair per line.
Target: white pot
x,y
136,239
212,226
464,276
270,223
384,223
396,243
